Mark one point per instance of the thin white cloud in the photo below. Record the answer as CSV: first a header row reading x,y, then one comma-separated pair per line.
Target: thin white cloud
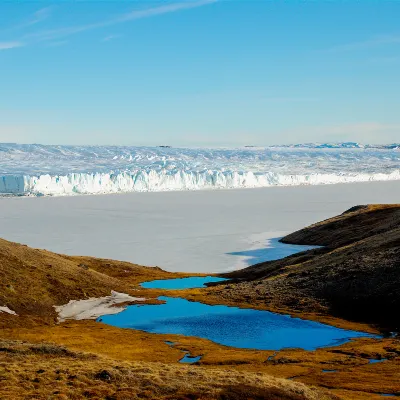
x,y
163,10
10,45
56,34
40,16
385,60
363,127
110,37
367,132
367,44
35,18
133,15
290,99
57,43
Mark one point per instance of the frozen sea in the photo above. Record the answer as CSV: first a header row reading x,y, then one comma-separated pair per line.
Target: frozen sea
x,y
195,231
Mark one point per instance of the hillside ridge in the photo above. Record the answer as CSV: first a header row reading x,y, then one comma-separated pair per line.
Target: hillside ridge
x,y
355,275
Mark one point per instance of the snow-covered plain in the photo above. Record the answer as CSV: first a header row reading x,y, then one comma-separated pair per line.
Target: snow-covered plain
x,y
203,231
70,170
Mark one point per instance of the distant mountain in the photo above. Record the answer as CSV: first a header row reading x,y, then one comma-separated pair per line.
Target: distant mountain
x,y
340,145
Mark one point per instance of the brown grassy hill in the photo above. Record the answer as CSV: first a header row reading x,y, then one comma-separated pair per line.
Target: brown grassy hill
x,y
356,276
50,371
126,364
33,281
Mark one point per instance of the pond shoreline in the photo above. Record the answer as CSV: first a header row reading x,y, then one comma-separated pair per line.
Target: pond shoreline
x,y
226,325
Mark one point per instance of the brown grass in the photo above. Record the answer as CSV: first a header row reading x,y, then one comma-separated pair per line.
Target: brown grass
x,y
32,281
28,374
125,345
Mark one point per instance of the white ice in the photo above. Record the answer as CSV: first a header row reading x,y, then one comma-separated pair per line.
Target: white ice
x,y
70,170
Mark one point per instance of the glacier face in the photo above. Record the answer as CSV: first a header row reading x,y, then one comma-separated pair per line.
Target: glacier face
x,y
67,170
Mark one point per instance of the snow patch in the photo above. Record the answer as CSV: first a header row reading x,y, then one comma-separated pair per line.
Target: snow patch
x,y
94,308
7,310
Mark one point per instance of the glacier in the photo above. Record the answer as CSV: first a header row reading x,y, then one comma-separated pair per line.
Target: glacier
x,y
35,170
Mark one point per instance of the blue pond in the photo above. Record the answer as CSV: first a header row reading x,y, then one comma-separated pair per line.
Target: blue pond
x,y
230,326
373,361
188,359
183,283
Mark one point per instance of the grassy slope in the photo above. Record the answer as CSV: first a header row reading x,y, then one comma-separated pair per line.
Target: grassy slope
x,y
137,365
55,372
356,276
355,377
32,281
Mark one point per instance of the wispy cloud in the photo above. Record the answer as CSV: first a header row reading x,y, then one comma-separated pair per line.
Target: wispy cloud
x,y
363,127
371,132
385,60
57,43
367,44
39,16
290,99
10,45
110,37
130,16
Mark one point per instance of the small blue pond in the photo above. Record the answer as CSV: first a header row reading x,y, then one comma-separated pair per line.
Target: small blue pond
x,y
230,326
373,361
188,359
183,283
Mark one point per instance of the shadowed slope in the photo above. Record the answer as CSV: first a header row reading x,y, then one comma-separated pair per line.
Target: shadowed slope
x,y
355,224
356,276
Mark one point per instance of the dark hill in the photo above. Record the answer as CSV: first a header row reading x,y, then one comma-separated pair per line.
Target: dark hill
x,y
355,276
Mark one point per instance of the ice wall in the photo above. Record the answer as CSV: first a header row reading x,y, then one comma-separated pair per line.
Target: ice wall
x,y
142,181
68,170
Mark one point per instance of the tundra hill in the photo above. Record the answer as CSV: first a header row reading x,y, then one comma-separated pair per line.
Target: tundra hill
x,y
33,281
356,275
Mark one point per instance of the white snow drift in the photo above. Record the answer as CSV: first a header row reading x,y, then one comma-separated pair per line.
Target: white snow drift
x,y
94,307
7,310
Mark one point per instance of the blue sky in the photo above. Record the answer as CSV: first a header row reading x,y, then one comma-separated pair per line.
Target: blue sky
x,y
199,72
